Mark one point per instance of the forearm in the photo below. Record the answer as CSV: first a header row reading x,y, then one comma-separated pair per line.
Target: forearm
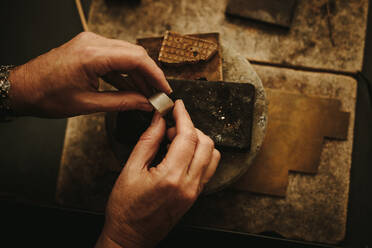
x,y
64,82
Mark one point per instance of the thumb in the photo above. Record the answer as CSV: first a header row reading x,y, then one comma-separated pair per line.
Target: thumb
x,y
116,101
148,144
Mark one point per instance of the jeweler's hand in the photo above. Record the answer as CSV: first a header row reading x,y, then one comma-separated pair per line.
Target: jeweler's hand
x,y
64,81
145,202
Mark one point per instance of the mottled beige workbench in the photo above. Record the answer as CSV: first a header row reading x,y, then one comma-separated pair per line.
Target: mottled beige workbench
x,y
315,208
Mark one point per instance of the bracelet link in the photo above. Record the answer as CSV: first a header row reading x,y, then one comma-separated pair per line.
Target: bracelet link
x,y
5,84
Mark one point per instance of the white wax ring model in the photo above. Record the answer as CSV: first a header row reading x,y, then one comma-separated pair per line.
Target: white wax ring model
x,y
161,102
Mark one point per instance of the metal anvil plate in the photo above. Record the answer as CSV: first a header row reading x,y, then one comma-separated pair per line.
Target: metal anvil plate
x,y
222,110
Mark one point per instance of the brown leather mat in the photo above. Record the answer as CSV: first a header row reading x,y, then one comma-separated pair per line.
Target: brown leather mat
x,y
294,140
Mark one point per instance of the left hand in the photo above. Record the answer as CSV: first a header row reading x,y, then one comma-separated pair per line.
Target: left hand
x,y
64,82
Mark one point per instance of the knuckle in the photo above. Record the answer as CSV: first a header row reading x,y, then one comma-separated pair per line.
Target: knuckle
x,y
139,56
190,135
170,184
174,186
207,141
141,52
87,52
146,137
86,35
88,55
189,195
123,105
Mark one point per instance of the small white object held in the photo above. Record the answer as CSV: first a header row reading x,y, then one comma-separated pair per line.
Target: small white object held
x,y
161,103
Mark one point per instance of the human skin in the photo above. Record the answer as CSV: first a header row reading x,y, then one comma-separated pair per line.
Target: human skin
x,y
64,82
145,202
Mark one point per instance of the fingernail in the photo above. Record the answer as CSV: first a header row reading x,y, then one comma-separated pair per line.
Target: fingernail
x,y
180,100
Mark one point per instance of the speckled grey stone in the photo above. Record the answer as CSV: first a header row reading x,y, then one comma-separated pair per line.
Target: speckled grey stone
x,y
234,164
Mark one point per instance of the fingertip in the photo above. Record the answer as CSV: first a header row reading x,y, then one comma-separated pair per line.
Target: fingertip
x,y
180,102
156,118
165,84
181,116
178,105
169,89
171,133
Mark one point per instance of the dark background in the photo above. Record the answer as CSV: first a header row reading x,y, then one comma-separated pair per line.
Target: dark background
x,y
30,151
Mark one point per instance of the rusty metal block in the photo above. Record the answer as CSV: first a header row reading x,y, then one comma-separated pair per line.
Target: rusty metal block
x,y
222,110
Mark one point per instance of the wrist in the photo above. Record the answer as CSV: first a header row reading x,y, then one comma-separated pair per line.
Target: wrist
x,y
121,239
20,99
105,241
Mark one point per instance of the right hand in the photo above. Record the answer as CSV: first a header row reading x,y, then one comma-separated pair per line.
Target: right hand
x,y
146,202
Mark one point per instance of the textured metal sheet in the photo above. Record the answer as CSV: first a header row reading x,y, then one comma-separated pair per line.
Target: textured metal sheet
x,y
180,49
210,70
294,140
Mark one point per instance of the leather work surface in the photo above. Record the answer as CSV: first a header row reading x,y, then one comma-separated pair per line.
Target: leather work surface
x,y
210,70
294,140
308,43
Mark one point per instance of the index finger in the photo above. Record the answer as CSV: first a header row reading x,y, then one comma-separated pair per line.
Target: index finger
x,y
181,150
154,75
133,58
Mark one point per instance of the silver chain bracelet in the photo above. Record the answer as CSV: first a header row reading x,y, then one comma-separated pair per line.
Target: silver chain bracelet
x,y
5,105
